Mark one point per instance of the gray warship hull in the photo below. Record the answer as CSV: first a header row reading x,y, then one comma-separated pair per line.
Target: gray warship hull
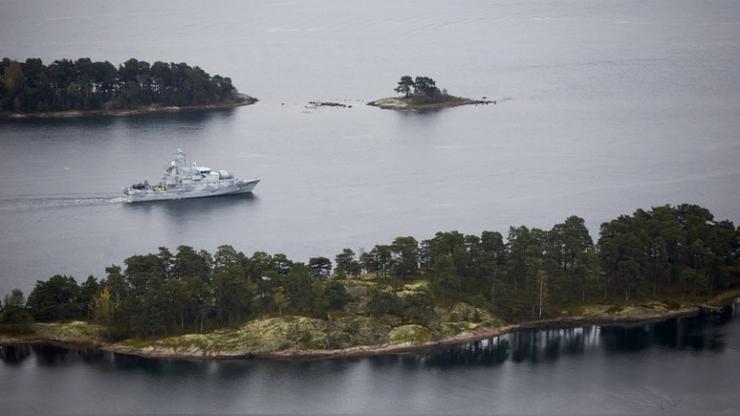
x,y
181,181
241,187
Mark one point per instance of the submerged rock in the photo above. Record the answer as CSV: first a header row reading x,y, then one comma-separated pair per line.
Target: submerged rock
x,y
317,104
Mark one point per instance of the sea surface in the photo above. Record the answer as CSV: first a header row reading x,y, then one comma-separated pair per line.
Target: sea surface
x,y
682,366
603,107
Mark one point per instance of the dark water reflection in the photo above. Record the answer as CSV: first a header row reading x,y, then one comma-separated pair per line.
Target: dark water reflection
x,y
192,118
685,365
696,333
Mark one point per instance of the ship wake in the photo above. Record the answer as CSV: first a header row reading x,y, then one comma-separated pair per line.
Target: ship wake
x,y
33,202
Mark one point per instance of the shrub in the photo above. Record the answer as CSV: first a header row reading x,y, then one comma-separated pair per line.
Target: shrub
x,y
382,302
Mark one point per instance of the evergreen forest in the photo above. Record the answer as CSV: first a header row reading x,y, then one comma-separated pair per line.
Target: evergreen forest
x,y
84,85
666,253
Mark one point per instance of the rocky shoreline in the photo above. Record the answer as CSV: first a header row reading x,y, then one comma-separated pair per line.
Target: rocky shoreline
x,y
241,100
84,335
402,104
478,335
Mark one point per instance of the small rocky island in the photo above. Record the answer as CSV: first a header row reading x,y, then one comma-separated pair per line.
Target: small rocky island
x,y
421,94
67,88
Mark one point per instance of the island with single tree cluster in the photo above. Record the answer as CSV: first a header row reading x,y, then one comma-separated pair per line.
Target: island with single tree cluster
x,y
67,88
422,94
404,296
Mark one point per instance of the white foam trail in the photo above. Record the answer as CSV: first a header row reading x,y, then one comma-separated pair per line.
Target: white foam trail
x,y
19,203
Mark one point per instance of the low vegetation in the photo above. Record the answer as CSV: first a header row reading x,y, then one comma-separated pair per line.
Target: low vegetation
x,y
643,264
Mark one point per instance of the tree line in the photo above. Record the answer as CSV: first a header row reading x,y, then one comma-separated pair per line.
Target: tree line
x,y
664,253
84,84
421,90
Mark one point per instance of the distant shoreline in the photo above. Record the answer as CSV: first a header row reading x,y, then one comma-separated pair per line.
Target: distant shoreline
x,y
241,100
633,318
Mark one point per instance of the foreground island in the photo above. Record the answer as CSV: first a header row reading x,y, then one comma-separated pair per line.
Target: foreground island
x,y
398,297
422,94
67,88
301,337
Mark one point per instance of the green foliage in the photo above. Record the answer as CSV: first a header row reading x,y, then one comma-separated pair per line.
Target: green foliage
x,y
299,291
668,250
379,260
347,266
56,299
64,84
405,252
664,253
231,289
320,266
421,90
336,295
104,308
418,307
405,85
425,86
88,290
382,302
13,312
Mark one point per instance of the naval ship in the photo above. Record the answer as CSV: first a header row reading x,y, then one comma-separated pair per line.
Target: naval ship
x,y
181,181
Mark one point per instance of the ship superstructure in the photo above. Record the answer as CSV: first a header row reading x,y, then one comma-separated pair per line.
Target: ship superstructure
x,y
182,181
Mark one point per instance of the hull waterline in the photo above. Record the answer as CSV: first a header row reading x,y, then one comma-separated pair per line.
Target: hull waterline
x,y
152,196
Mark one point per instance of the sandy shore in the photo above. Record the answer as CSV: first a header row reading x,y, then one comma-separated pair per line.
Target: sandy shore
x,y
88,340
152,109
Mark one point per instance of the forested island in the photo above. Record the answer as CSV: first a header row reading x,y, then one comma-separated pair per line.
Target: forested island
x,y
67,88
400,296
422,94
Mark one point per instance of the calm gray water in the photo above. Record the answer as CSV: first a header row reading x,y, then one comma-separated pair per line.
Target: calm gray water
x,y
686,366
611,106
614,106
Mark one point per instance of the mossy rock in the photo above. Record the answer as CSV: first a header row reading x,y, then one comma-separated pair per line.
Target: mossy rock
x,y
310,340
462,311
415,334
390,102
364,330
416,286
261,335
592,310
672,305
613,309
657,306
273,334
66,331
451,329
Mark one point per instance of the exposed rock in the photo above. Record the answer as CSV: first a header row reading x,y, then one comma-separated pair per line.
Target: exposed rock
x,y
415,334
317,104
406,104
347,332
